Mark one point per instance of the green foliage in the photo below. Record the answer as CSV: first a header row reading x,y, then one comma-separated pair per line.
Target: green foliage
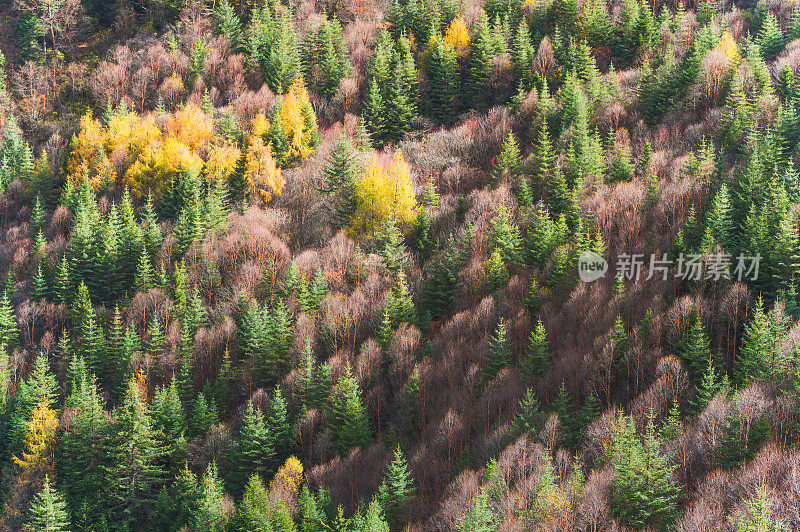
x,y
481,517
227,23
348,417
537,356
252,453
272,46
49,511
324,60
342,170
758,517
442,75
499,354
396,491
740,440
643,492
694,350
530,418
505,236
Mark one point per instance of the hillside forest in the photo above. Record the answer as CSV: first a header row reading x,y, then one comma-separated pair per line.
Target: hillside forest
x,y
399,265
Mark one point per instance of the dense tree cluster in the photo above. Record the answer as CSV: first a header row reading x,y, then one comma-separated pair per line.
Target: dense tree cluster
x,y
301,267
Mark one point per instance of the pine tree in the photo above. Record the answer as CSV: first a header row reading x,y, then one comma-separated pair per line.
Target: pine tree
x,y
49,511
348,418
758,347
442,74
342,169
530,418
505,236
694,350
396,490
543,158
643,492
252,452
499,352
278,425
133,471
537,359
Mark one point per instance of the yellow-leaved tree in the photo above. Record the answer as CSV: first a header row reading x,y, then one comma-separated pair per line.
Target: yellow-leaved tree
x,y
221,160
88,157
147,156
263,177
384,195
40,431
457,36
299,123
289,477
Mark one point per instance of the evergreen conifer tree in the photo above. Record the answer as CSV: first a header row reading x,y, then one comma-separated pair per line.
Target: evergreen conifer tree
x,y
49,511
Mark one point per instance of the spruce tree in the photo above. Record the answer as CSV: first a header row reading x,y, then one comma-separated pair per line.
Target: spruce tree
x,y
278,425
9,330
537,356
227,23
695,350
49,511
480,53
708,387
530,417
758,347
252,452
770,38
210,514
543,158
508,164
395,492
481,516
204,416
643,492
442,74
505,236
562,405
133,471
499,352
253,512
342,170
348,418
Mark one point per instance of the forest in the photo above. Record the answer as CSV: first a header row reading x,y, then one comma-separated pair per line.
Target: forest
x,y
399,265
